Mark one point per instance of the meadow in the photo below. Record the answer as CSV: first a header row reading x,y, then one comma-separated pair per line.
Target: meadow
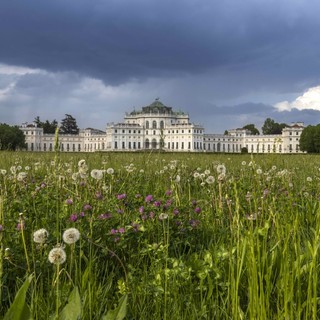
x,y
159,236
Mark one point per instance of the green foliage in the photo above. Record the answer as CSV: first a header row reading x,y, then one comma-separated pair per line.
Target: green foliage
x,y
310,139
19,310
251,127
272,127
119,312
48,126
11,137
72,311
69,125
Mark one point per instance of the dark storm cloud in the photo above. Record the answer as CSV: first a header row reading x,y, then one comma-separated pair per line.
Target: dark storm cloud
x,y
118,41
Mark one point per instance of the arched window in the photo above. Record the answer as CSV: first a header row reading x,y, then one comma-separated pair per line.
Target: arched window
x,y
154,144
154,124
147,124
161,124
147,143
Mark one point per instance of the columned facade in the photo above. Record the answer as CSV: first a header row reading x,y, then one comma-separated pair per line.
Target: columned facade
x,y
158,127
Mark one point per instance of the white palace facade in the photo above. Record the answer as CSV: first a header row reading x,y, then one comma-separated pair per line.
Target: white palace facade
x,y
157,126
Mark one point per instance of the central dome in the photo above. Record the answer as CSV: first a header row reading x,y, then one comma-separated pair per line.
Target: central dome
x,y
157,107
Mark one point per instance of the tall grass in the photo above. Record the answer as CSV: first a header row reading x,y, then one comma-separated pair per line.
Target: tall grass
x,y
162,236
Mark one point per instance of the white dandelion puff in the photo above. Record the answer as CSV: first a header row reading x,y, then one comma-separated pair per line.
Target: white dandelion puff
x,y
210,180
81,163
110,171
221,169
71,235
21,176
97,174
40,236
57,256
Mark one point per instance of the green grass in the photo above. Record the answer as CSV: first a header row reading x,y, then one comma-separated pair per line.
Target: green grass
x,y
160,238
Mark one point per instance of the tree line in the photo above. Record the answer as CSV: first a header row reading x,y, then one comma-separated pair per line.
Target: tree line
x,y
12,138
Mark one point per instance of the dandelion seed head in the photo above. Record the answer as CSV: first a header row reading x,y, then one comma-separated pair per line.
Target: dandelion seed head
x,y
71,235
57,256
110,171
163,216
96,174
210,180
21,176
40,236
221,169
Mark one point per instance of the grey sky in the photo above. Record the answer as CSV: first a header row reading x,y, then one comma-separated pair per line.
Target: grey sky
x,y
227,63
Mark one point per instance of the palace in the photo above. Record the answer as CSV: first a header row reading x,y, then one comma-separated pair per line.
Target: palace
x,y
157,126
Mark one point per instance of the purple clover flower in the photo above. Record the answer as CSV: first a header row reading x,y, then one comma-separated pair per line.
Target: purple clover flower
x,y
121,230
87,207
151,215
148,198
175,212
69,201
121,196
157,203
73,217
197,210
141,209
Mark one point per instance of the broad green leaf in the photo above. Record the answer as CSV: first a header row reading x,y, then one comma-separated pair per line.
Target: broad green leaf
x,y
120,312
72,311
19,310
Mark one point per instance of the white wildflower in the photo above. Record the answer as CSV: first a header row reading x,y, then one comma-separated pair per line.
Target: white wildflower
x,y
309,179
210,180
97,174
243,163
21,176
57,256
207,172
196,175
13,170
259,171
3,172
110,171
71,235
81,163
75,176
40,236
177,179
221,169
163,216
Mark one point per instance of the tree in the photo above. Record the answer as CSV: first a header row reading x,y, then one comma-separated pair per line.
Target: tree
x,y
310,139
11,138
272,127
48,126
251,127
69,125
